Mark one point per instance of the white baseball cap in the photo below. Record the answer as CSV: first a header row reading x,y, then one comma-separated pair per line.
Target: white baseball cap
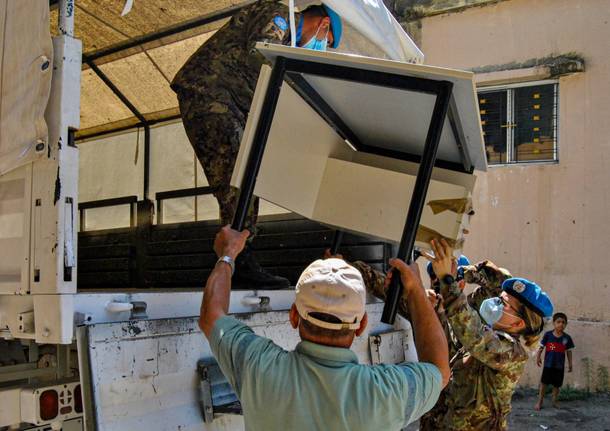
x,y
334,287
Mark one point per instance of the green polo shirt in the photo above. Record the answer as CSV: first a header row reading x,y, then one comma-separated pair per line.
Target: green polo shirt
x,y
318,387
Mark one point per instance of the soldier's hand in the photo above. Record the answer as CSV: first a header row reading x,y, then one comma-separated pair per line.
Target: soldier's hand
x,y
434,298
539,361
409,275
229,242
489,268
443,262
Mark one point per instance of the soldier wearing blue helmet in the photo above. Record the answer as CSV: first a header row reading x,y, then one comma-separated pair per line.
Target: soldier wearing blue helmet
x,y
215,88
495,329
462,262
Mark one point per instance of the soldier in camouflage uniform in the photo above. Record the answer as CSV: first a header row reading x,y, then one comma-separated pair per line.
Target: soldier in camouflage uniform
x,y
486,362
489,278
485,274
215,88
486,369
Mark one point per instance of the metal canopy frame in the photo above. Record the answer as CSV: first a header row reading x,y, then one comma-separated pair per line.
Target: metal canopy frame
x,y
169,31
292,70
182,193
105,203
92,59
145,124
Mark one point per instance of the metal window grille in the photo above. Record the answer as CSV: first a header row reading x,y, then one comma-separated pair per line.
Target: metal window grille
x,y
520,123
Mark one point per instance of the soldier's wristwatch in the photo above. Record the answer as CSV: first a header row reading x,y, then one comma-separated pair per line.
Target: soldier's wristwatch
x,y
229,261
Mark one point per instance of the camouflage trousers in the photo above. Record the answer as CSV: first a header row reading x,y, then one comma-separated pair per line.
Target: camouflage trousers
x,y
215,132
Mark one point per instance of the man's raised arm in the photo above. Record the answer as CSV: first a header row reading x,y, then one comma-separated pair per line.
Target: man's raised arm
x,y
430,341
227,245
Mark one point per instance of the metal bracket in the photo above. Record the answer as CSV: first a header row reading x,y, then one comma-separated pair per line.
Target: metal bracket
x,y
138,311
388,347
26,322
217,396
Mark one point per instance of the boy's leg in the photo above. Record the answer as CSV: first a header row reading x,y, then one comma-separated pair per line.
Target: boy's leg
x,y
541,392
555,394
557,384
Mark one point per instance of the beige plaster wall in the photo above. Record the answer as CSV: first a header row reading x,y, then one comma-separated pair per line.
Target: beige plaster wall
x,y
547,222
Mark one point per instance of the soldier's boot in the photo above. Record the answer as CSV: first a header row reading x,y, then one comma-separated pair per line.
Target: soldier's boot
x,y
250,275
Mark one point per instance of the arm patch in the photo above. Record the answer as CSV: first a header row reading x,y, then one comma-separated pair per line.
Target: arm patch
x,y
276,29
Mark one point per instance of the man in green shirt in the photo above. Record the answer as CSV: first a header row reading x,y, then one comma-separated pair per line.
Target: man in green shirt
x,y
320,385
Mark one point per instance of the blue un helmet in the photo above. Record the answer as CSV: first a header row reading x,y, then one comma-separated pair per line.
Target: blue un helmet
x,y
336,25
461,261
336,28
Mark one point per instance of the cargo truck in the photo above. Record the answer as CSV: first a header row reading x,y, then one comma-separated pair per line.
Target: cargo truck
x,y
100,296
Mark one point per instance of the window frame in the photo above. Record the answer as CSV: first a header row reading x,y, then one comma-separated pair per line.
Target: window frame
x,y
510,109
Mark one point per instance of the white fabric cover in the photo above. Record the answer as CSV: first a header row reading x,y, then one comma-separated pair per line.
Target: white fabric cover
x,y
373,20
26,66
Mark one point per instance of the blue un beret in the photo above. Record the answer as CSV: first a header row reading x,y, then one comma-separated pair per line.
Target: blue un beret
x,y
336,26
462,261
530,294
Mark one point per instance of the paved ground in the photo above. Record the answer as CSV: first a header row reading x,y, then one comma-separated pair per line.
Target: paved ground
x,y
592,414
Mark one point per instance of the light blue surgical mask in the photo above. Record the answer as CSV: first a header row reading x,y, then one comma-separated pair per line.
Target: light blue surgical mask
x,y
491,310
318,45
314,43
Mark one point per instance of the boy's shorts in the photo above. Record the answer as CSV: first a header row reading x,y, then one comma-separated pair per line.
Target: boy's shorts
x,y
552,376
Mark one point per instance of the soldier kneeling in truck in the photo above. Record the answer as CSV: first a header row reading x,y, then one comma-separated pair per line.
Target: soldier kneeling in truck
x,y
215,88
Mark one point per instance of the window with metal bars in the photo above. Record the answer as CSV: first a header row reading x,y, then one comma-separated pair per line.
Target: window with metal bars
x,y
520,122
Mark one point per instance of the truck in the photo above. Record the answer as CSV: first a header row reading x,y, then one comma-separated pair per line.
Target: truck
x,y
100,289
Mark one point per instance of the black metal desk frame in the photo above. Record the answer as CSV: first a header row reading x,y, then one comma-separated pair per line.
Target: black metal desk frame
x,y
292,70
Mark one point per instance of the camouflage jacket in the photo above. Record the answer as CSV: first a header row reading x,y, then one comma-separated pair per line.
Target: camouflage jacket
x,y
489,279
488,365
225,69
486,275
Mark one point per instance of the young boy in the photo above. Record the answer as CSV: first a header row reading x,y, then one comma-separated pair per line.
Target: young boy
x,y
555,343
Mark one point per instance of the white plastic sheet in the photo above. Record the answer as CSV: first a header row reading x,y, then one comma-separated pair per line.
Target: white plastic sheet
x,y
374,21
26,54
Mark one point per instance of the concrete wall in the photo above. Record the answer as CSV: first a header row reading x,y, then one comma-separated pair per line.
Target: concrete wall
x,y
547,222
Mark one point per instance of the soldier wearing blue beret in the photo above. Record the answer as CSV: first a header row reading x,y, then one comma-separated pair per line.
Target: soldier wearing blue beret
x,y
495,326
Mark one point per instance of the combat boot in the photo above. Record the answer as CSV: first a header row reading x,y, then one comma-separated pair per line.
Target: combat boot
x,y
250,275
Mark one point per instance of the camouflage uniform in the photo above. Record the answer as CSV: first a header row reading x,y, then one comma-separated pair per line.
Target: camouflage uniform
x,y
215,88
486,364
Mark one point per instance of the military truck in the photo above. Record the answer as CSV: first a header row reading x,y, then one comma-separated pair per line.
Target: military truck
x,y
107,221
